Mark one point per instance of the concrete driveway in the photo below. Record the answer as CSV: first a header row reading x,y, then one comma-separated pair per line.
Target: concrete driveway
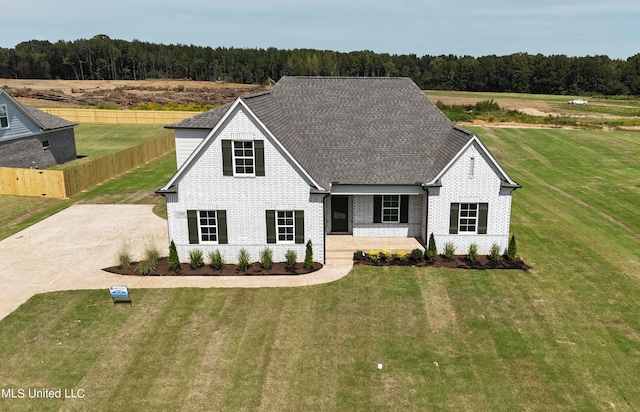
x,y
68,250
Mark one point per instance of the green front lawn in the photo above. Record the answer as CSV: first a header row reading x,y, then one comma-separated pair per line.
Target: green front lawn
x,y
564,337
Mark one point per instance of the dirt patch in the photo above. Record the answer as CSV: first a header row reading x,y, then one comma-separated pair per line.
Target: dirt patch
x,y
459,262
124,93
162,269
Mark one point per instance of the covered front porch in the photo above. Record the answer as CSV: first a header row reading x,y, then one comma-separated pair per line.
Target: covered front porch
x,y
341,247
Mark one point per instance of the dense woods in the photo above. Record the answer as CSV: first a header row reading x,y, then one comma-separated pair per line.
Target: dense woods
x,y
104,58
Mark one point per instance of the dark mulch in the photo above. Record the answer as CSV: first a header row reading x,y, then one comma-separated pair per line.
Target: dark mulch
x,y
458,262
254,269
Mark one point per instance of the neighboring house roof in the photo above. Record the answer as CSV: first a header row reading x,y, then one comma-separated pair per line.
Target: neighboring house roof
x,y
353,130
43,120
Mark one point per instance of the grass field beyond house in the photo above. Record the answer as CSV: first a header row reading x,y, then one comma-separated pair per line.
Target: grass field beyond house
x,y
97,140
563,337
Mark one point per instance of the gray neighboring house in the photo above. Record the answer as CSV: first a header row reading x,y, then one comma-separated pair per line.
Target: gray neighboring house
x,y
31,138
362,157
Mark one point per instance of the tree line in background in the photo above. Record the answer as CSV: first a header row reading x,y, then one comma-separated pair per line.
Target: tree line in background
x,y
103,58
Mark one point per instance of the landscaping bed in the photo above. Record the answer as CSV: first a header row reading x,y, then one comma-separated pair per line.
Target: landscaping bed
x,y
162,269
459,261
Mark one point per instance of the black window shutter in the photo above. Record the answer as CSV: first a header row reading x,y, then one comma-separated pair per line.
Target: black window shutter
x,y
258,147
453,218
192,223
404,209
227,158
483,211
271,226
299,226
221,216
377,209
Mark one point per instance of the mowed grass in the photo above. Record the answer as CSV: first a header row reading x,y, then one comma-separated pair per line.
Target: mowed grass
x,y
97,140
563,337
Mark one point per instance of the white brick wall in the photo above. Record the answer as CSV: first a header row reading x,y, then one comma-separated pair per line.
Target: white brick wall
x,y
458,186
363,225
203,187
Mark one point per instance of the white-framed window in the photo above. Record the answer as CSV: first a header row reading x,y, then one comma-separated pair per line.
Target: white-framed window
x,y
285,226
243,158
390,208
208,226
4,117
46,144
468,219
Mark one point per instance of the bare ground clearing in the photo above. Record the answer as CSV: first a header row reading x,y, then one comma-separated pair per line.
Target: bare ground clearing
x,y
124,93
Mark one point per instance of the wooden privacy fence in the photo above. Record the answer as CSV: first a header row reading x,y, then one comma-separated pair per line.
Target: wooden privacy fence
x,y
32,182
119,116
64,183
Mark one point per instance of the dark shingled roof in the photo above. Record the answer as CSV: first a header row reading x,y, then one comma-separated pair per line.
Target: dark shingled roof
x,y
354,130
43,120
48,121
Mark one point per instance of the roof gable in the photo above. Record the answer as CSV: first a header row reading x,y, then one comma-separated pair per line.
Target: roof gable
x,y
229,113
39,119
502,175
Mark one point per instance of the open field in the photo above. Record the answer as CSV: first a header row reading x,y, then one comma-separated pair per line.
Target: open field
x,y
544,104
565,336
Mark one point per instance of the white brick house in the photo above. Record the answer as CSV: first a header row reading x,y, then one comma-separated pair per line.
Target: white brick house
x,y
367,157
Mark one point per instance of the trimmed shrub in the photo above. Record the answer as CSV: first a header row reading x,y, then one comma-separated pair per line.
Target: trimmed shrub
x,y
291,258
124,255
308,255
401,255
195,258
173,261
386,255
217,262
416,254
473,252
373,255
449,250
359,255
243,260
494,252
431,255
266,258
513,249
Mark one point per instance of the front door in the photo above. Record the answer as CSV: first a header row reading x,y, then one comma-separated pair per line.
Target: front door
x,y
339,213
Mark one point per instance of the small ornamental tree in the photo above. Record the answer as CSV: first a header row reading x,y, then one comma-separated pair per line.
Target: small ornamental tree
x,y
432,251
308,256
173,261
513,249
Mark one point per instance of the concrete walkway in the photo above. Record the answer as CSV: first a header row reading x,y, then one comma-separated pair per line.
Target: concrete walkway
x,y
67,251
